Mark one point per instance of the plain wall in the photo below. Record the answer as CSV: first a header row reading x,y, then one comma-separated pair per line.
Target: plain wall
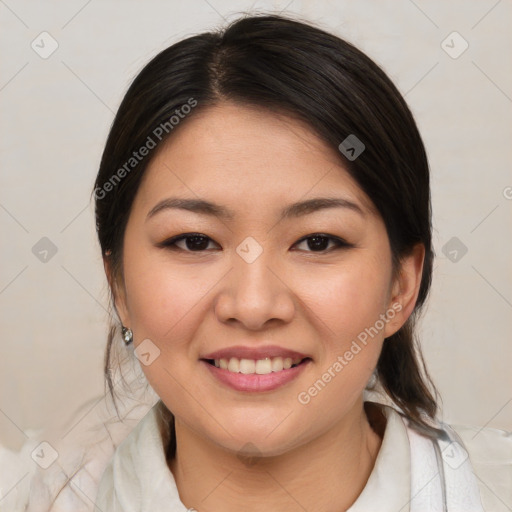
x,y
56,113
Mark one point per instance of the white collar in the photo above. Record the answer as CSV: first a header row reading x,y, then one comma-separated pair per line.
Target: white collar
x,y
137,478
389,484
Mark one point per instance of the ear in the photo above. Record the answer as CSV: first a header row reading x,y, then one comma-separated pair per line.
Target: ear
x,y
118,291
405,289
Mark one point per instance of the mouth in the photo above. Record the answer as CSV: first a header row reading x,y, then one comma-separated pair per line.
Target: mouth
x,y
257,366
255,375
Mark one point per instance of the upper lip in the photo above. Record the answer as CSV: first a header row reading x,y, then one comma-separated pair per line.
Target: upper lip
x,y
244,352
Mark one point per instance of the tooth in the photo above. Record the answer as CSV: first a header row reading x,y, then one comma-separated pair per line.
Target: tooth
x,y
277,364
263,366
234,365
247,366
259,366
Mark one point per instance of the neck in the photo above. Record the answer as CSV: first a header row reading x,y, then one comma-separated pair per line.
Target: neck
x,y
328,473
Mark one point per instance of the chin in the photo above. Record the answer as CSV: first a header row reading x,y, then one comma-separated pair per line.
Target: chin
x,y
254,443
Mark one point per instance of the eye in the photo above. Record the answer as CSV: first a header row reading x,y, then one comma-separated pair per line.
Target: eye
x,y
318,242
198,242
193,242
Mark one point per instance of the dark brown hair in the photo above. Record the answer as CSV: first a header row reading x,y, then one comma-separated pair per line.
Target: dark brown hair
x,y
287,66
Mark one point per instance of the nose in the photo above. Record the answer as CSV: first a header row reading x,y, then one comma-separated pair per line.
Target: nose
x,y
254,294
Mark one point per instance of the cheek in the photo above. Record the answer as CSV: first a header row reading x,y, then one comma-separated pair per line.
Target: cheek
x,y
348,299
163,297
348,304
167,305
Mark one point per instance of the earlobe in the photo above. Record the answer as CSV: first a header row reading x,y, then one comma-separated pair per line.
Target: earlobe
x,y
405,289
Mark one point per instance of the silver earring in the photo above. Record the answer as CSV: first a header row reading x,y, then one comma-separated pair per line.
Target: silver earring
x,y
127,335
372,381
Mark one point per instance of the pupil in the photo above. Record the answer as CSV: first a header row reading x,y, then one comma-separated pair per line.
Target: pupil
x,y
199,243
318,242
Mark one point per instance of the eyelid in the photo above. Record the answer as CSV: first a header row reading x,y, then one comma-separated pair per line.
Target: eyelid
x,y
337,239
170,243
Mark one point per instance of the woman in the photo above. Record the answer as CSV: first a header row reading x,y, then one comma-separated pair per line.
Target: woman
x,y
263,210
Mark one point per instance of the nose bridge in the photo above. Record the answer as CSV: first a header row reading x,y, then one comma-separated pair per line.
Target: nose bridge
x,y
254,279
254,293
253,272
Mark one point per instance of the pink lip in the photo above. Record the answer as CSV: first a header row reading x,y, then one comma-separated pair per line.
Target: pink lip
x,y
255,382
255,353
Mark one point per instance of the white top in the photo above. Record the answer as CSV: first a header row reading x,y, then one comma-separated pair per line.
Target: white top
x,y
126,471
138,478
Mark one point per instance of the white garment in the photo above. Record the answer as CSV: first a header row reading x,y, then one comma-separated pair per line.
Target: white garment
x,y
405,476
72,482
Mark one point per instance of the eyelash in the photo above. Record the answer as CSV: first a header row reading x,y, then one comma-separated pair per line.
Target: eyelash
x,y
171,242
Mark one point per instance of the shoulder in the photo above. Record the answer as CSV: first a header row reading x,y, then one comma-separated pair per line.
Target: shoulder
x,y
490,453
81,453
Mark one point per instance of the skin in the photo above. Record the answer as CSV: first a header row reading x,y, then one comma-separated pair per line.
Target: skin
x,y
315,456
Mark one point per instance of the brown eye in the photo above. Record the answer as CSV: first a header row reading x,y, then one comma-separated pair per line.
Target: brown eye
x,y
319,242
198,242
193,242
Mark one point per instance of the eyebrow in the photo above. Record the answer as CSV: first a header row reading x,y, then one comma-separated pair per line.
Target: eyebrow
x,y
294,210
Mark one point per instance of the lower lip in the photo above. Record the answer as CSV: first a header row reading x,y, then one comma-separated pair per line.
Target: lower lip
x,y
254,382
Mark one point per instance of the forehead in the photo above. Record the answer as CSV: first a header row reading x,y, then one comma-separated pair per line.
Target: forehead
x,y
246,156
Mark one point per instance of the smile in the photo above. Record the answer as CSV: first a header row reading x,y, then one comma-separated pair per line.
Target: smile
x,y
256,375
259,366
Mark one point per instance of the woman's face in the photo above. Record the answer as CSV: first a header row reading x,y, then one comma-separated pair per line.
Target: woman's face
x,y
254,280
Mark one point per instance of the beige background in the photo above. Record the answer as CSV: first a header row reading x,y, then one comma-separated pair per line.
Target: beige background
x,y
55,116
